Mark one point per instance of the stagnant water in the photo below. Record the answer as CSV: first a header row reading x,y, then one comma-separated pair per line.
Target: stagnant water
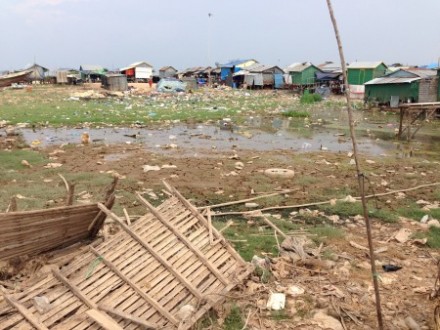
x,y
255,134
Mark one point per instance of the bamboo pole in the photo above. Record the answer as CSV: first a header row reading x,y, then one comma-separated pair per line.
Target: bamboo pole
x,y
360,175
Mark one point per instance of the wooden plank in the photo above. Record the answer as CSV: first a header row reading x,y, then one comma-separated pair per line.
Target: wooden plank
x,y
128,317
24,312
137,289
193,248
103,320
148,247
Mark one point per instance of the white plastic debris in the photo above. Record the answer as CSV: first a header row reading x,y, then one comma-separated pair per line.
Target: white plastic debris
x,y
148,168
276,302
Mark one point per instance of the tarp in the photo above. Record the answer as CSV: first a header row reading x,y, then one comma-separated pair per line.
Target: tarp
x,y
171,85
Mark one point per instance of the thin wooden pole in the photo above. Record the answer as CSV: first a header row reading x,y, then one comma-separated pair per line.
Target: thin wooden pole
x,y
150,249
360,175
184,240
128,317
27,314
136,288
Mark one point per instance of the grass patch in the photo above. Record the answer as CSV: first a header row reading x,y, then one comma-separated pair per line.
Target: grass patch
x,y
433,236
11,160
325,233
296,114
234,321
308,98
346,209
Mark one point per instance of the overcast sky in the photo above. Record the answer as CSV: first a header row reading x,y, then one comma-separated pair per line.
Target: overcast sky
x,y
115,33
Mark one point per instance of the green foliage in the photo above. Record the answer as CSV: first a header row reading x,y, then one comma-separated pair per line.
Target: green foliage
x,y
325,232
296,114
308,98
433,236
234,321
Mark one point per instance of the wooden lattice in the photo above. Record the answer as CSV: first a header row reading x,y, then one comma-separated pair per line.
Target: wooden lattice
x,y
140,278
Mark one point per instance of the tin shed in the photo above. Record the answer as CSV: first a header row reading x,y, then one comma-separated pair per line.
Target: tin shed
x,y
167,72
138,71
358,73
405,85
302,73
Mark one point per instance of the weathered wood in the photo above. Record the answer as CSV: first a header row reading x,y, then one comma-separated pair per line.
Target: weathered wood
x,y
12,207
24,312
128,317
274,227
127,217
136,288
194,249
103,320
97,223
148,247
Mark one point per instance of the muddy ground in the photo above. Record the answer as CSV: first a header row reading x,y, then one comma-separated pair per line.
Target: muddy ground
x,y
337,280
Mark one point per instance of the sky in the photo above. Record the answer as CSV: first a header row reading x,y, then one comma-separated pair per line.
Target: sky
x,y
115,33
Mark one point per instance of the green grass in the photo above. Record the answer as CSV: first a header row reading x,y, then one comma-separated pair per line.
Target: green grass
x,y
296,114
433,236
234,321
307,98
346,209
11,160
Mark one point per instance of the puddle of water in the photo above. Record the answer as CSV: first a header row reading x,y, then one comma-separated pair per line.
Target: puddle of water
x,y
260,135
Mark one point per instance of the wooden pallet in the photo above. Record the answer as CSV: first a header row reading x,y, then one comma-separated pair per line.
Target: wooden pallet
x,y
138,279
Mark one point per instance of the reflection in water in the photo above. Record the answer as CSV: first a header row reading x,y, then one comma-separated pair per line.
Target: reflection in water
x,y
257,134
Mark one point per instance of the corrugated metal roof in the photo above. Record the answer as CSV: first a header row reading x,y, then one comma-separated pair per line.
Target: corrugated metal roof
x,y
364,65
136,64
164,68
230,64
91,67
262,67
391,80
298,67
330,67
423,73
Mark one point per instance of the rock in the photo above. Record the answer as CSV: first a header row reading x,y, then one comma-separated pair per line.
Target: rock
x,y
327,322
433,223
186,312
369,161
279,173
403,235
24,162
294,291
239,166
42,304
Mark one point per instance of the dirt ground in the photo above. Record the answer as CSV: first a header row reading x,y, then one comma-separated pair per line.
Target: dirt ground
x,y
336,280
340,285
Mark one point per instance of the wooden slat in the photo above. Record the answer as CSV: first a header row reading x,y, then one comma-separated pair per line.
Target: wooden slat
x,y
194,249
25,313
147,246
203,221
128,317
136,288
103,320
81,296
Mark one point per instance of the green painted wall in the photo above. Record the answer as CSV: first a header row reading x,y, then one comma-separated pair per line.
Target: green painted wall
x,y
305,77
382,93
361,76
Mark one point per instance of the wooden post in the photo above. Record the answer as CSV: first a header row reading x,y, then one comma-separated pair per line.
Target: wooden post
x,y
402,112
150,249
